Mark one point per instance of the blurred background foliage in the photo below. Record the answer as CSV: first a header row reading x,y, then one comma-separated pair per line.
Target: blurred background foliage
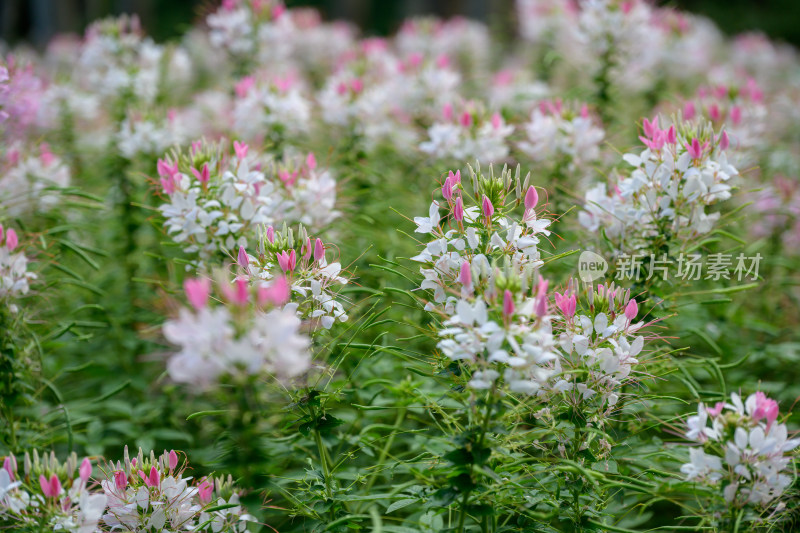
x,y
36,21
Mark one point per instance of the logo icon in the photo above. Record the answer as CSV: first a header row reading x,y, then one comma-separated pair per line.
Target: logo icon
x,y
591,266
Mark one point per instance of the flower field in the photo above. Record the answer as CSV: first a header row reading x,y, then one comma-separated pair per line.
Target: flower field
x,y
277,275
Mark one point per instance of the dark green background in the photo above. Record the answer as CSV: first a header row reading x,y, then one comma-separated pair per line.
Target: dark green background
x,y
36,21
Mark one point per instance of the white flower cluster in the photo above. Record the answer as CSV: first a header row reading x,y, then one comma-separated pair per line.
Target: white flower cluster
x,y
314,283
151,136
117,61
682,170
14,276
29,183
600,351
275,109
138,494
520,345
476,235
253,29
28,502
469,133
556,134
218,200
744,448
242,337
739,108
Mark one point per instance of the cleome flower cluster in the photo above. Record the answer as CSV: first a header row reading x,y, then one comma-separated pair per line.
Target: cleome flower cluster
x,y
134,494
741,449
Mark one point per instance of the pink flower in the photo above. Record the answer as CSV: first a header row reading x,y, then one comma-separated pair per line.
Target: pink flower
x,y
508,303
51,488
357,85
713,112
243,86
197,291
287,261
650,128
152,480
632,309
541,305
204,175
86,469
695,149
567,304
531,198
765,408
11,239
716,410
240,149
497,121
271,235
311,161
466,119
465,276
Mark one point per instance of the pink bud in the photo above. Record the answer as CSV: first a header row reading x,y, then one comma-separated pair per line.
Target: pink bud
x,y
271,235
51,488
689,110
357,85
168,184
531,198
120,480
9,467
154,479
713,112
86,469
566,304
447,189
632,309
716,410
197,291
458,210
11,239
672,135
243,86
240,149
243,260
724,141
443,61
508,303
497,121
173,460
204,175
466,119
694,149
584,111
447,112
311,161
650,127
736,115
765,408
205,490
541,305
465,277
488,208
241,294
455,178
1,232
276,293
284,261
319,250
